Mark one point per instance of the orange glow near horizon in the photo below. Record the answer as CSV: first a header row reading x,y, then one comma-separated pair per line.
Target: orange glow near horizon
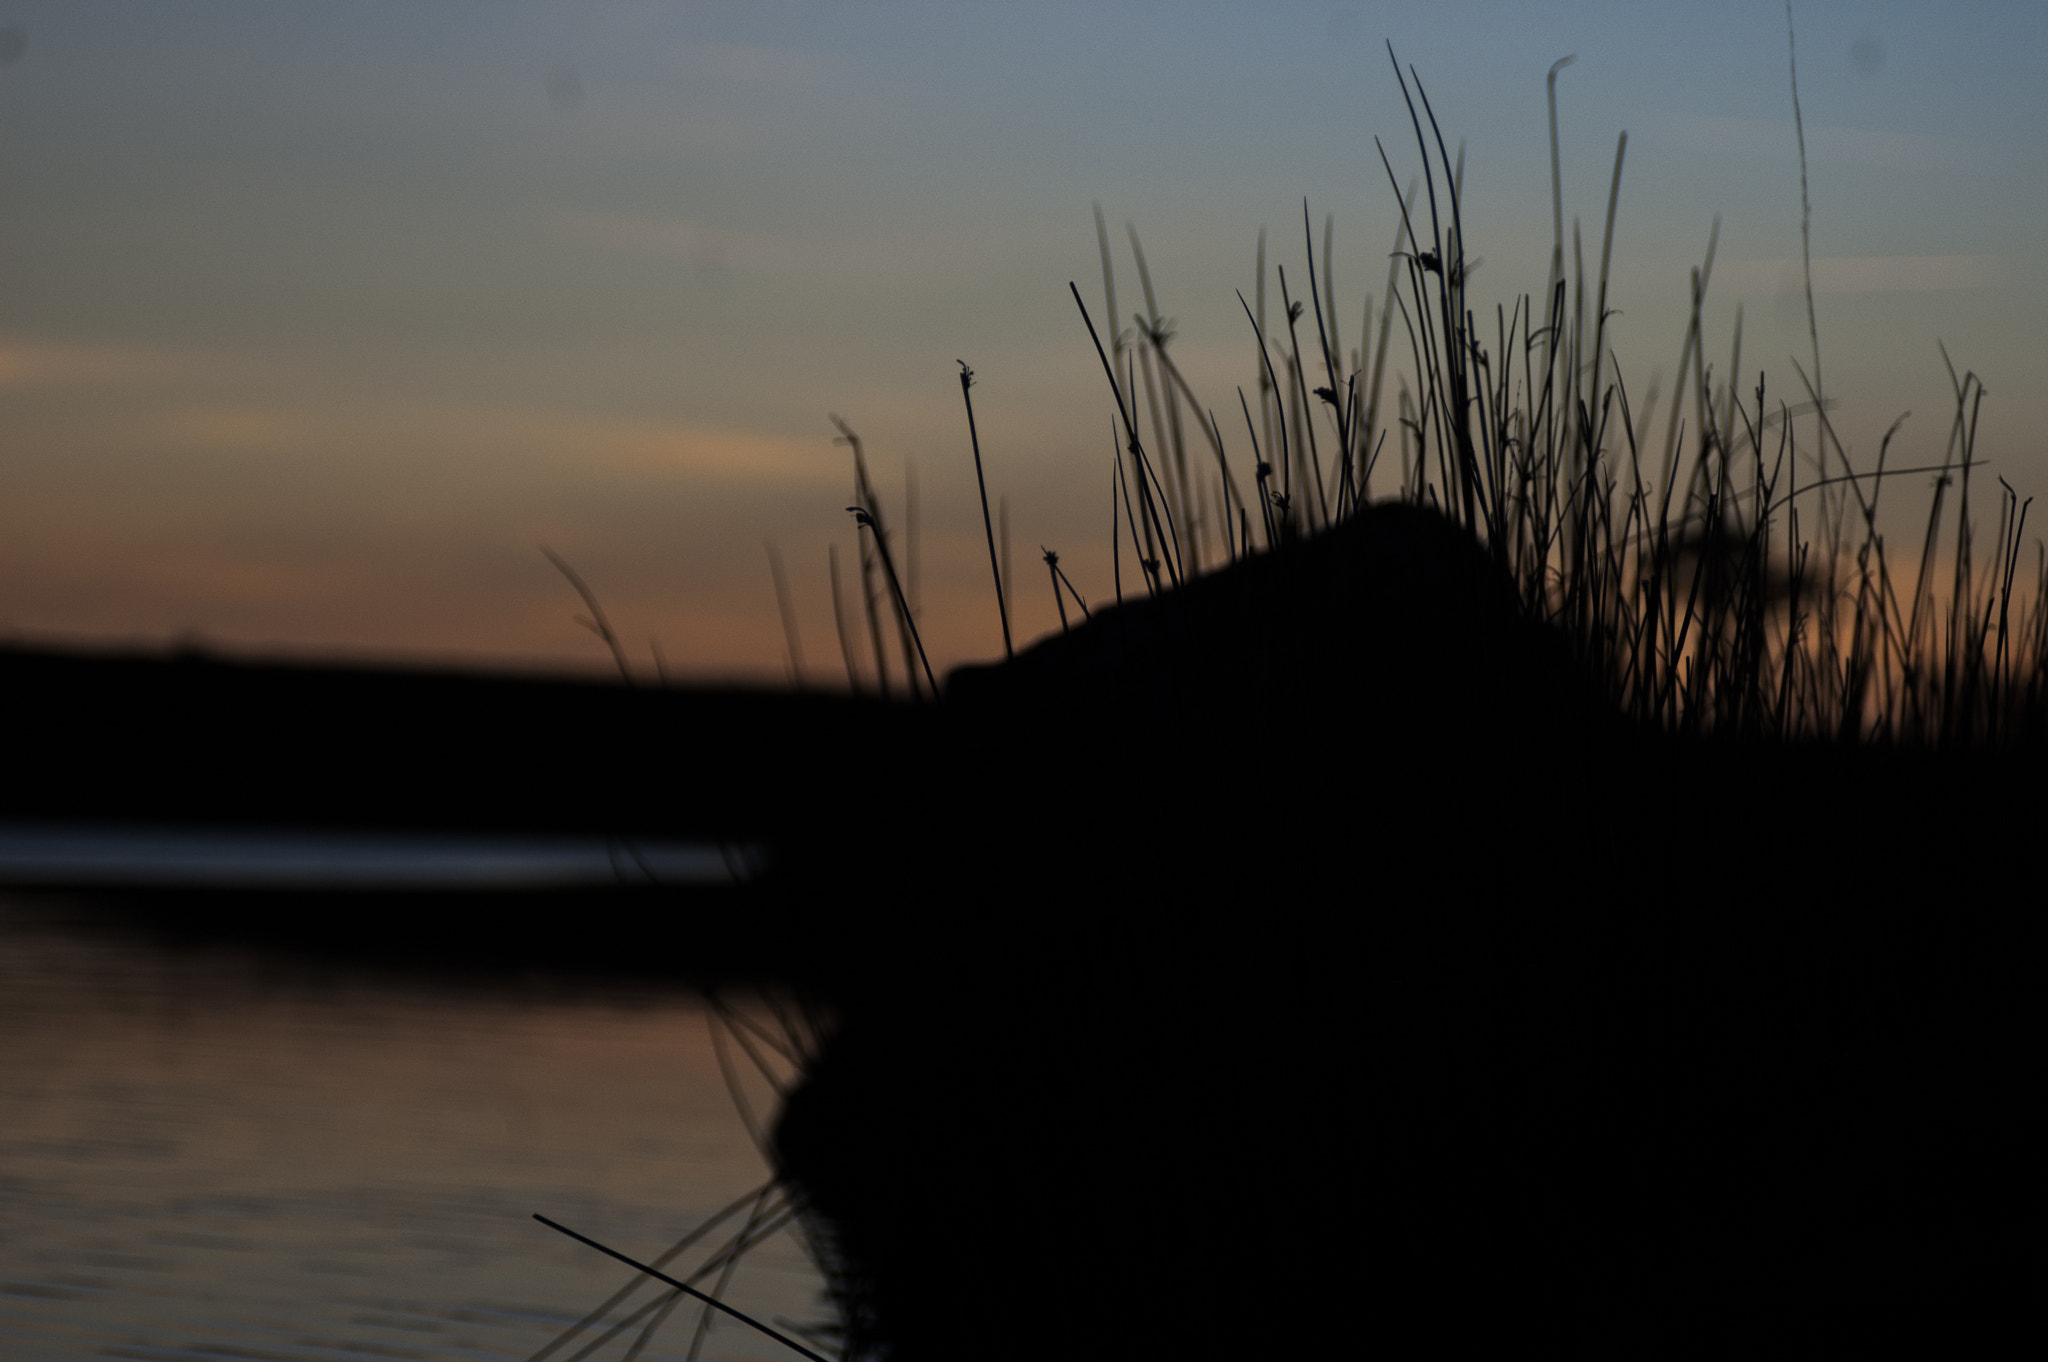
x,y
314,332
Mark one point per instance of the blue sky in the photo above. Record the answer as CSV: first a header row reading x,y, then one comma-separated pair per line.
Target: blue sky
x,y
317,320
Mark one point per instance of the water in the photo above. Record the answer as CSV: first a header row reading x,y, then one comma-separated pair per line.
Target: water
x,y
213,1154
100,854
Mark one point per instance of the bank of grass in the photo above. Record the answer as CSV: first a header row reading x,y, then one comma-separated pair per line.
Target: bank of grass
x,y
1720,567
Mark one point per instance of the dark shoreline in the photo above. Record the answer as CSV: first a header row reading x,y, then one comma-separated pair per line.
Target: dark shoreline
x,y
193,738
211,745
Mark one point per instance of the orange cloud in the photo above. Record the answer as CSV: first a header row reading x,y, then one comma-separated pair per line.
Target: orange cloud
x,y
29,363
232,428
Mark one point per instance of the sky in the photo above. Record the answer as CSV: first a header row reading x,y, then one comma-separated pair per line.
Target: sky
x,y
319,322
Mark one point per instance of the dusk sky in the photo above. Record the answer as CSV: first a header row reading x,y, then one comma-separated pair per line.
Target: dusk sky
x,y
318,320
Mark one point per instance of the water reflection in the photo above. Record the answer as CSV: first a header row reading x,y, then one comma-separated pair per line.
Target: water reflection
x,y
210,1153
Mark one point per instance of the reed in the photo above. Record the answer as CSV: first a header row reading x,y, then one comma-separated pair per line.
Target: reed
x,y
1727,576
1741,587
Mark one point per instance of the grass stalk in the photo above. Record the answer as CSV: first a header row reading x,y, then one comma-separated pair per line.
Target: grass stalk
x,y
787,607
596,621
981,484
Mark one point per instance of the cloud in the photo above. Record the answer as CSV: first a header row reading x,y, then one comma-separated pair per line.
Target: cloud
x,y
219,578
709,250
1837,274
623,127
1889,150
1877,148
755,65
32,363
236,428
520,444
697,450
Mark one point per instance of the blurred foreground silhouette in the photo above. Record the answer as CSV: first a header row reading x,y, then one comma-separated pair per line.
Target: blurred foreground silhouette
x,y
1310,959
1311,956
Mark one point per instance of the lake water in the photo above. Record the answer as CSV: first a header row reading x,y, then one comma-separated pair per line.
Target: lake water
x,y
211,1154
116,855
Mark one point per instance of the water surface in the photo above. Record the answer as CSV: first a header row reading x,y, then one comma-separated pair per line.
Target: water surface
x,y
219,1154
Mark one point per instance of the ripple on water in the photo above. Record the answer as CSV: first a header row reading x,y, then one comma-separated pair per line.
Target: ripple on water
x,y
209,1155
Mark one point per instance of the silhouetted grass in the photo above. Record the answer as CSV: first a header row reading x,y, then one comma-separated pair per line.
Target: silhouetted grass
x,y
1739,586
789,1033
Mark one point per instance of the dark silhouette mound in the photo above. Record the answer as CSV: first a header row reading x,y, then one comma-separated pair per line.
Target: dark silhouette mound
x,y
1304,960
